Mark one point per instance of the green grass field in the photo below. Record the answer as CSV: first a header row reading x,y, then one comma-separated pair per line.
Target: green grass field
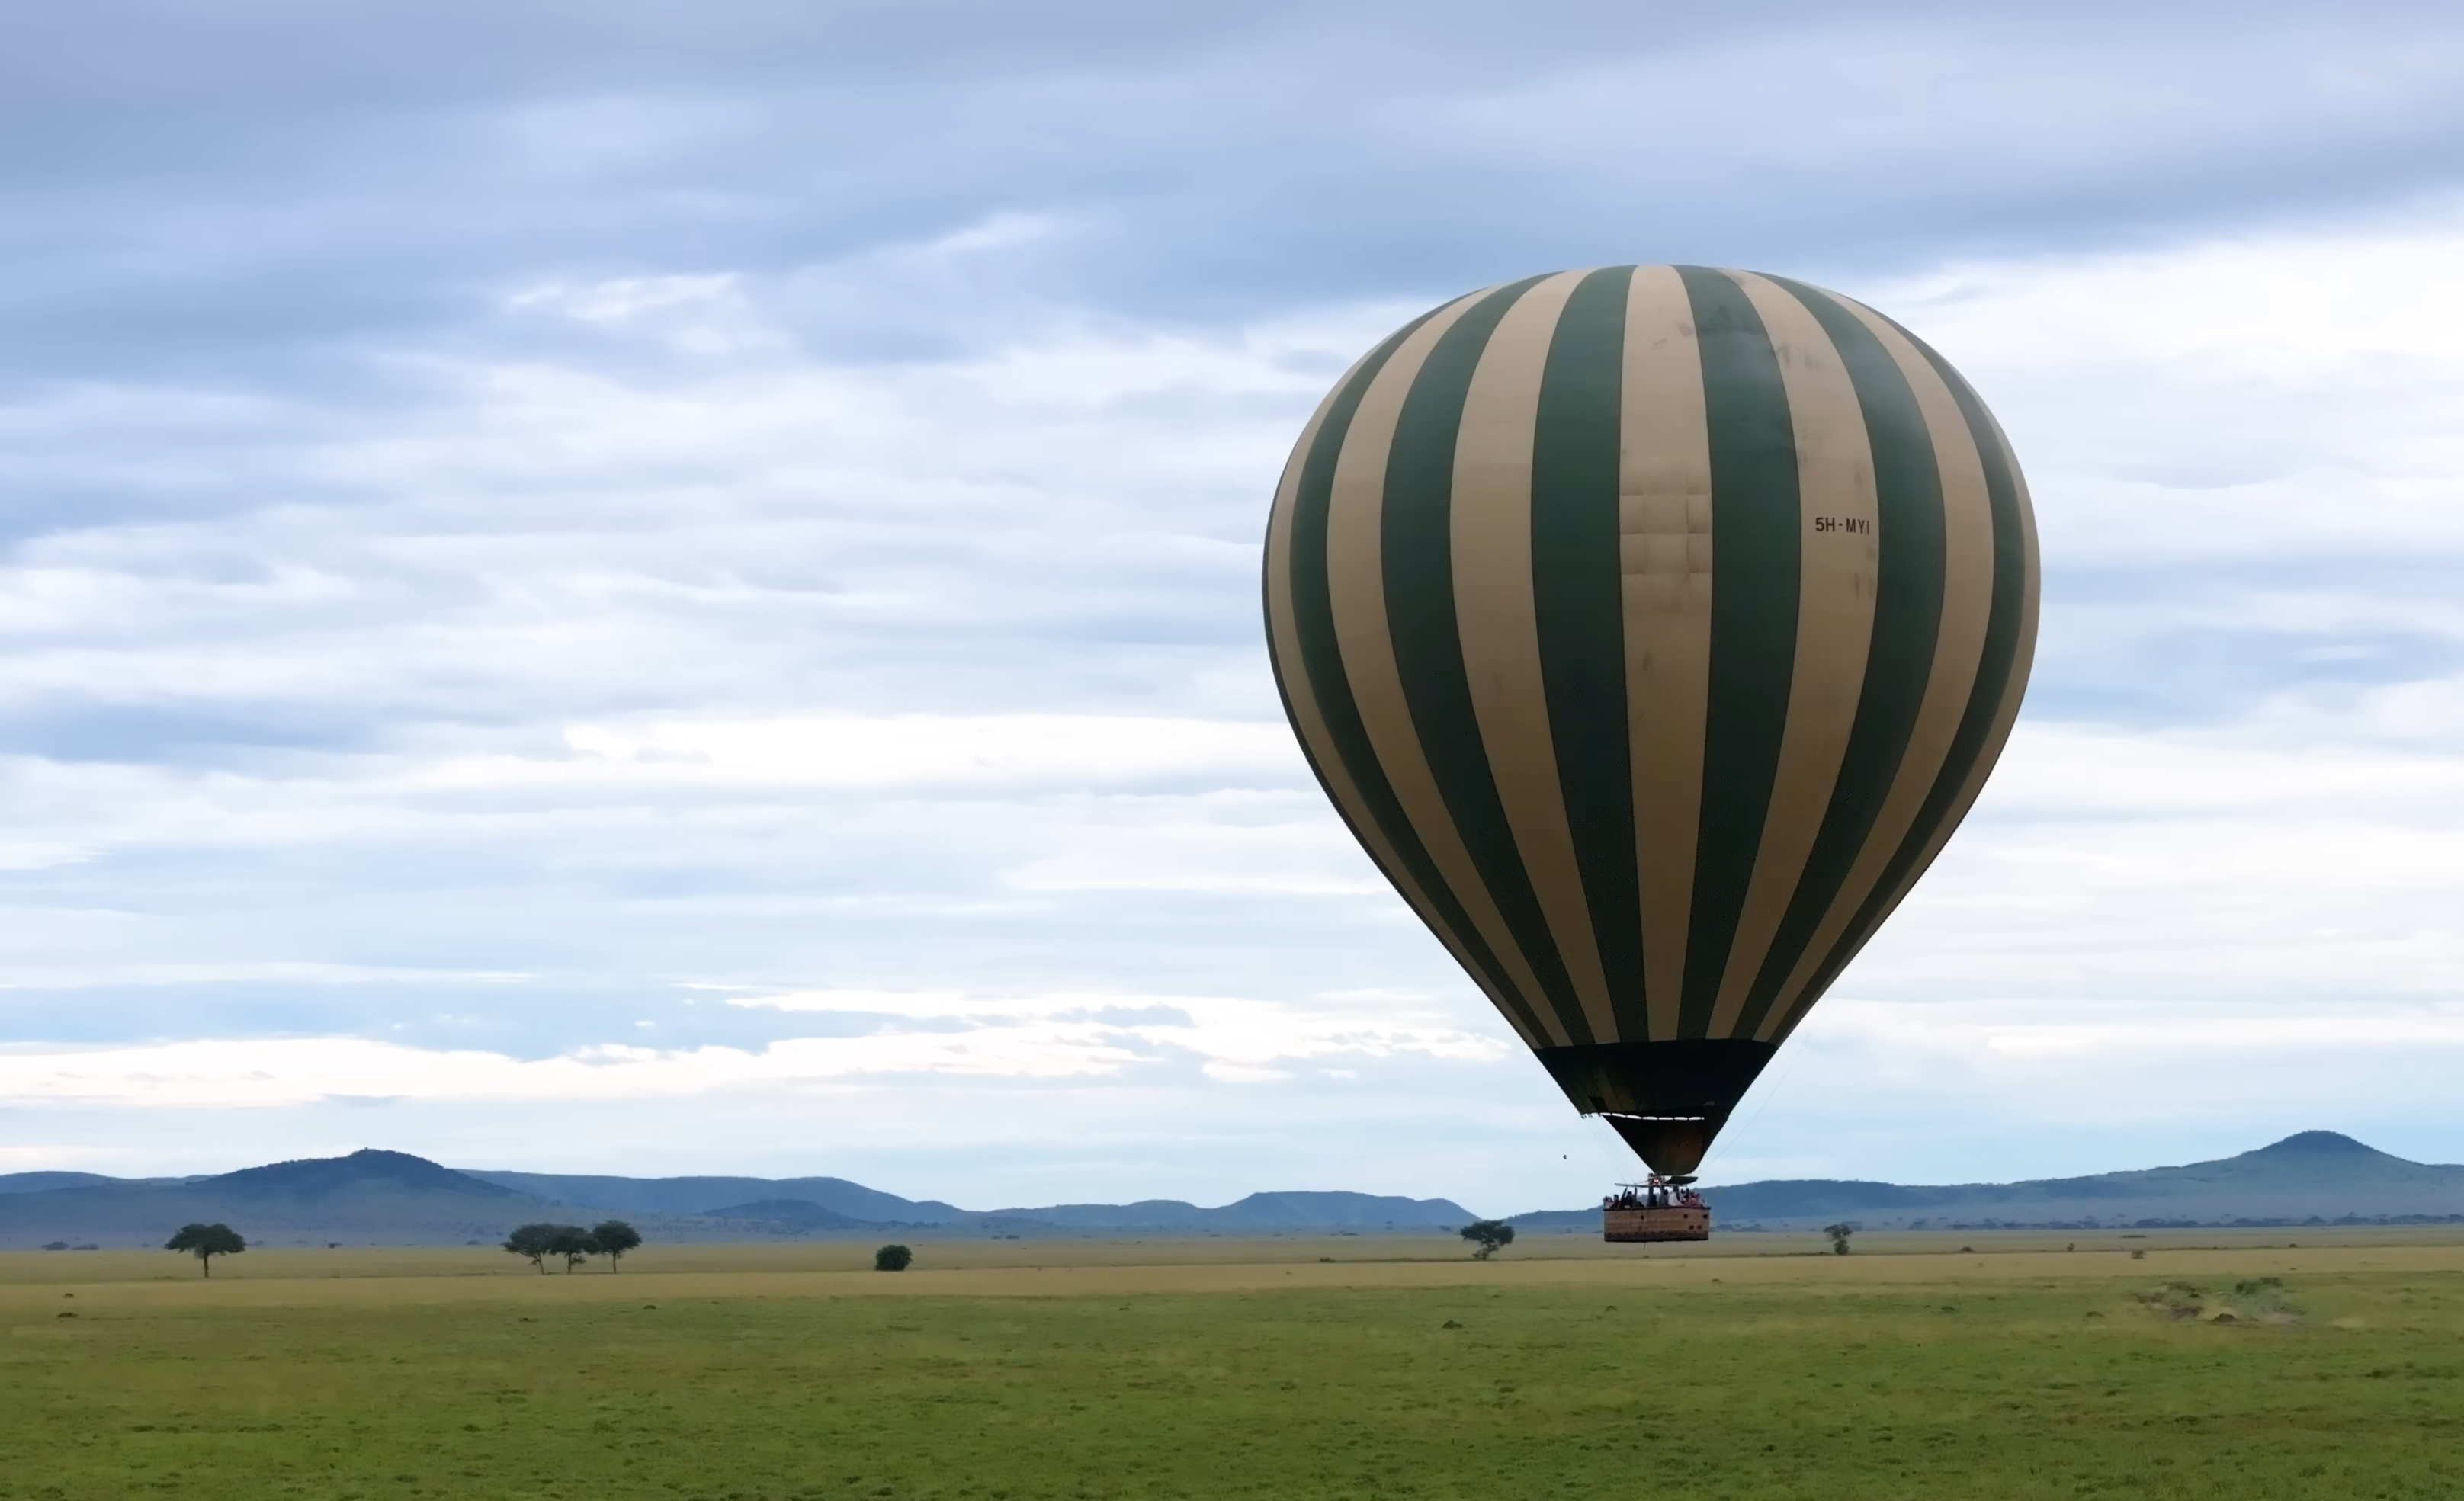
x,y
2018,1375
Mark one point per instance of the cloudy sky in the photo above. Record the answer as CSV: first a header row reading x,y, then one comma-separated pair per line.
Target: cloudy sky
x,y
671,588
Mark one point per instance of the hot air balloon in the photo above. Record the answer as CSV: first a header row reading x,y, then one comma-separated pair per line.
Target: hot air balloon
x,y
1652,627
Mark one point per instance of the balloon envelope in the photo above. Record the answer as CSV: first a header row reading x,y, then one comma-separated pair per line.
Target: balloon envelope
x,y
1652,627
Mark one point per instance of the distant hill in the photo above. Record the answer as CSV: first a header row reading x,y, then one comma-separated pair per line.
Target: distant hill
x,y
2310,1177
43,1183
698,1195
361,1174
389,1197
788,1216
1258,1212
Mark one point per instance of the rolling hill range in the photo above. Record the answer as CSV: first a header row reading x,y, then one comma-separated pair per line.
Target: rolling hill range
x,y
393,1198
2317,1177
730,1198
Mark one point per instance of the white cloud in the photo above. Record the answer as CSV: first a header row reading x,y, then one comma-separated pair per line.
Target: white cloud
x,y
2134,1033
2284,397
851,751
1221,841
935,1034
292,972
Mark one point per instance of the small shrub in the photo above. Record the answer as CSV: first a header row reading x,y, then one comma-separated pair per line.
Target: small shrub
x,y
891,1258
2264,1298
2174,1301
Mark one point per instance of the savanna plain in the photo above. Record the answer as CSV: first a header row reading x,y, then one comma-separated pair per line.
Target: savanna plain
x,y
2211,1364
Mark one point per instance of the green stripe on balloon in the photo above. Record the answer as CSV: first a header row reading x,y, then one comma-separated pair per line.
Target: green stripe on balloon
x,y
1907,621
1416,554
1322,663
1577,587
1755,569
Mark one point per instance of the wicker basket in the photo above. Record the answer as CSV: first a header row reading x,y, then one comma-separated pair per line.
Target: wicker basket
x,y
1677,1223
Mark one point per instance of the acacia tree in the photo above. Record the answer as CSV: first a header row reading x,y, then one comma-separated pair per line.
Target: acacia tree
x,y
615,1237
1839,1234
205,1242
574,1243
534,1241
1489,1236
891,1258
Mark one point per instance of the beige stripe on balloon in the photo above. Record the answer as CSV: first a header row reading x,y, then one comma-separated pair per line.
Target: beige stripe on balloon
x,y
1500,630
1959,641
1308,717
1355,580
2006,713
1664,565
1839,561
